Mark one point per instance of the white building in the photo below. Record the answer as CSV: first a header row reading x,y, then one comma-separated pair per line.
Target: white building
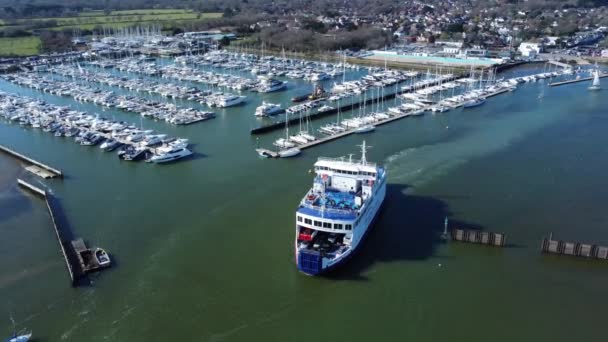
x,y
530,49
451,50
605,53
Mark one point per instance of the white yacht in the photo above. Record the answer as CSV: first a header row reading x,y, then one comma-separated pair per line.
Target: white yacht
x,y
269,85
268,109
229,100
170,155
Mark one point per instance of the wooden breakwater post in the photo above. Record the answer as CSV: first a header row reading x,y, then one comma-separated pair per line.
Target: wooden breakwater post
x,y
38,168
478,237
577,249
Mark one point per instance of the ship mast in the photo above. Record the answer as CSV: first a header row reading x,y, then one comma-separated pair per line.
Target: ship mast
x,y
363,152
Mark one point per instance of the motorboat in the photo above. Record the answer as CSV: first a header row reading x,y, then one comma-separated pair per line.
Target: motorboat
x,y
288,153
268,109
102,257
474,103
365,129
110,145
325,108
170,155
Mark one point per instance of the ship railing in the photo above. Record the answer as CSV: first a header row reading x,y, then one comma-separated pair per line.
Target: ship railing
x,y
328,210
343,160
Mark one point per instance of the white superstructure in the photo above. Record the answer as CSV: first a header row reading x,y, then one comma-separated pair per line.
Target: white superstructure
x,y
337,212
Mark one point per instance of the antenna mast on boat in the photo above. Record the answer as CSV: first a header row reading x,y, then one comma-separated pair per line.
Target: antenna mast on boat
x,y
363,152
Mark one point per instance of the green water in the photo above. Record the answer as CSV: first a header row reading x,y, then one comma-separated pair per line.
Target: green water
x,y
204,248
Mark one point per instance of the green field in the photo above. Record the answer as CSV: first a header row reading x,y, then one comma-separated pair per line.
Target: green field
x,y
22,46
122,18
132,12
117,19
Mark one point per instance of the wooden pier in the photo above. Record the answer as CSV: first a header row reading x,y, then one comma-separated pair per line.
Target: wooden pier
x,y
36,167
478,237
577,249
355,105
75,253
556,84
272,154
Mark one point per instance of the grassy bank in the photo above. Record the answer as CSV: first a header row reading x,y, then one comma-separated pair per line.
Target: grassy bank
x,y
21,46
114,19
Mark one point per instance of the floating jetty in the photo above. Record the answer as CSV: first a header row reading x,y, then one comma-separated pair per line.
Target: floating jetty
x,y
79,259
577,249
294,119
36,167
576,80
274,154
478,237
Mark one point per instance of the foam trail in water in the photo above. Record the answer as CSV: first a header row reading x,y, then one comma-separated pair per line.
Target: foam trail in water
x,y
422,164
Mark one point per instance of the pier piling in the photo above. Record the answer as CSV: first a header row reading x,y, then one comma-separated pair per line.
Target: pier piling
x,y
479,237
585,250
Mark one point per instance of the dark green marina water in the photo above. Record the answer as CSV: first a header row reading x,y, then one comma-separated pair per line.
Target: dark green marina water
x,y
204,248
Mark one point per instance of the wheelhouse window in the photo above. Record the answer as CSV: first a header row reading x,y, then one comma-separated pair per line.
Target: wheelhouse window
x,y
307,221
326,225
349,227
299,218
317,223
338,226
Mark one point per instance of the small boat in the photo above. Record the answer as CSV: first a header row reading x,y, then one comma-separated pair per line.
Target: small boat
x,y
325,108
109,145
20,338
595,85
300,98
103,259
365,129
292,152
474,103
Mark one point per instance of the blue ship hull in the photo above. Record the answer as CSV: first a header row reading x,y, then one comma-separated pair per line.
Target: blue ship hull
x,y
310,262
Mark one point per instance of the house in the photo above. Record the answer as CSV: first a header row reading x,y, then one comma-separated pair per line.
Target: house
x,y
605,53
528,49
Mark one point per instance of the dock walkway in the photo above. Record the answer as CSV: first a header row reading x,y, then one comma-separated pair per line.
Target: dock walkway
x,y
36,167
76,271
353,130
555,84
355,105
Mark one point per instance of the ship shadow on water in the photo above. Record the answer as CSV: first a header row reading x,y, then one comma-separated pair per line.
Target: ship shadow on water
x,y
408,227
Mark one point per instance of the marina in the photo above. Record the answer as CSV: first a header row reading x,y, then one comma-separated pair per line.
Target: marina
x,y
419,101
88,130
482,166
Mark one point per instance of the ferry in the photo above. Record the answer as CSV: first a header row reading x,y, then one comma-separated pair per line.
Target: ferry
x,y
335,215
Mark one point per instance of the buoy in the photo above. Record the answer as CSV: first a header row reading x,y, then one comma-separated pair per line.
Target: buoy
x,y
309,171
